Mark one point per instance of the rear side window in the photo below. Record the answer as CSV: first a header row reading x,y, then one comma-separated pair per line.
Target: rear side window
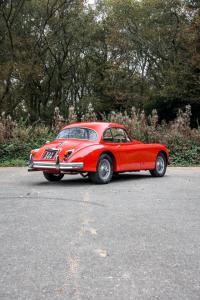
x,y
115,135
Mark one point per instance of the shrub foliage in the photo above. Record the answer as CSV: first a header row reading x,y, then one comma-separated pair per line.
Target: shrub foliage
x,y
183,142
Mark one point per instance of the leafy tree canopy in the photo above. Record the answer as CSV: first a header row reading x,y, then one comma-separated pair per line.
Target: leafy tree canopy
x,y
122,53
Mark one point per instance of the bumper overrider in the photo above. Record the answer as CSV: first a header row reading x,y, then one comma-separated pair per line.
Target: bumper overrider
x,y
43,165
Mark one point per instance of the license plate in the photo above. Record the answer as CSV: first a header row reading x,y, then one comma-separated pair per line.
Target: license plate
x,y
49,154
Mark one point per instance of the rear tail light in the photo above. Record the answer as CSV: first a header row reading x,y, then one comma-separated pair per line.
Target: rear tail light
x,y
68,153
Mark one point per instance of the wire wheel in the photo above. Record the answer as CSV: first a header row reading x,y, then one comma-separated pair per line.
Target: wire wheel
x,y
104,169
160,166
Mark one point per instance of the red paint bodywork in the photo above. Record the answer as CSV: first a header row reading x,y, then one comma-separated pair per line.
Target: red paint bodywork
x,y
126,156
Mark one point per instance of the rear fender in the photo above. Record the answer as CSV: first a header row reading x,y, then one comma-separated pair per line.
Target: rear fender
x,y
89,156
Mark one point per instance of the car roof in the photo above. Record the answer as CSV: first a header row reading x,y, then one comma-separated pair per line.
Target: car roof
x,y
99,127
94,125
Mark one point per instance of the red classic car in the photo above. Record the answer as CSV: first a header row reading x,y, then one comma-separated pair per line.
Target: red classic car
x,y
97,150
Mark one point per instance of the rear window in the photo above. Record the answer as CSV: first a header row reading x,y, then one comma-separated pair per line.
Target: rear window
x,y
78,133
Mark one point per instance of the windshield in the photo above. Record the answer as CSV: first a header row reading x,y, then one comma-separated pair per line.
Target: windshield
x,y
77,133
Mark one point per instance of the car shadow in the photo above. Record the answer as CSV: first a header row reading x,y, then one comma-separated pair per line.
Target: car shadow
x,y
131,176
79,181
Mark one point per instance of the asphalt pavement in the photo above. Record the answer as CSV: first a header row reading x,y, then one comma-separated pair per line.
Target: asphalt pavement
x,y
135,238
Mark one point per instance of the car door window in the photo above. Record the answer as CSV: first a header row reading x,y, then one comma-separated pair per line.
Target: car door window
x,y
107,136
119,135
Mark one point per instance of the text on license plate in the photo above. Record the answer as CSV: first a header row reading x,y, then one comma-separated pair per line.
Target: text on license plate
x,y
49,154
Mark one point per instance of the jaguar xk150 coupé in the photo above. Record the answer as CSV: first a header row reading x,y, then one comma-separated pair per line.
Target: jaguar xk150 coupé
x,y
97,150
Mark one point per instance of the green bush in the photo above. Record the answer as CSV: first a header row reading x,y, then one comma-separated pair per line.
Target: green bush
x,y
186,156
17,140
16,149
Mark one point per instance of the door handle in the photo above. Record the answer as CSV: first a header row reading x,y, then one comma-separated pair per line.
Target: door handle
x,y
118,146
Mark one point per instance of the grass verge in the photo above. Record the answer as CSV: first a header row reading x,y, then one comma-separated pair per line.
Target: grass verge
x,y
14,163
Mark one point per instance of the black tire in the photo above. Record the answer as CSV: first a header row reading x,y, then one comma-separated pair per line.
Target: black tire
x,y
160,166
104,172
53,177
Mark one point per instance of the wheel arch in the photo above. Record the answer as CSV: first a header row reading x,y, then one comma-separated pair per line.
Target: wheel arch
x,y
164,153
112,157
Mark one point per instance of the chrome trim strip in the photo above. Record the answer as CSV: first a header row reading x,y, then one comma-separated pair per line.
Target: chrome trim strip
x,y
54,165
43,165
52,149
67,166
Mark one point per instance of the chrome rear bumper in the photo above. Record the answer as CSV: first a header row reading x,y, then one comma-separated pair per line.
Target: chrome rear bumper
x,y
44,165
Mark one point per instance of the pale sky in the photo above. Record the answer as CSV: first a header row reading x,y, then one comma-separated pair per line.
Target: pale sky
x,y
91,1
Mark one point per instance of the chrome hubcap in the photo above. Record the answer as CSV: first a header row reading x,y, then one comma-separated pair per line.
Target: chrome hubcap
x,y
160,165
104,169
